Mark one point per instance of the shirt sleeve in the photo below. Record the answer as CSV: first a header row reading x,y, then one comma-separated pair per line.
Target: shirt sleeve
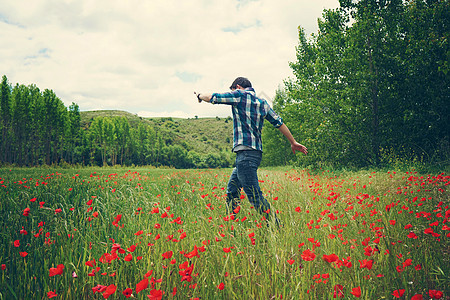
x,y
273,117
227,98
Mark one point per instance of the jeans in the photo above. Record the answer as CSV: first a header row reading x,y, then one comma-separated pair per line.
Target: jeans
x,y
245,176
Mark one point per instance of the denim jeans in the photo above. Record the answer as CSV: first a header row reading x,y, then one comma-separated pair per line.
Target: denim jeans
x,y
245,176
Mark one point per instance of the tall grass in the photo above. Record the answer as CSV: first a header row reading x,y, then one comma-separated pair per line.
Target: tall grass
x,y
381,233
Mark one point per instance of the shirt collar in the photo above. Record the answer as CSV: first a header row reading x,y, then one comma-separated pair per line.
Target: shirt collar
x,y
250,90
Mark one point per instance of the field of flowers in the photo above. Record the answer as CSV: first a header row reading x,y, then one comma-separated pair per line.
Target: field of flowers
x,y
163,234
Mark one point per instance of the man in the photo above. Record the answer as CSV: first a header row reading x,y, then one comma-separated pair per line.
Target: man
x,y
249,113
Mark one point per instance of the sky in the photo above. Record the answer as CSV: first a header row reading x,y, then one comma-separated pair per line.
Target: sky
x,y
148,57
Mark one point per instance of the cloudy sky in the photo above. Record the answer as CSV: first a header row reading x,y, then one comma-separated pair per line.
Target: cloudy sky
x,y
148,57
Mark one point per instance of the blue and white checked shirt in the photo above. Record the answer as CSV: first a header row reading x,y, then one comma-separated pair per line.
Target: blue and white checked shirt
x,y
249,113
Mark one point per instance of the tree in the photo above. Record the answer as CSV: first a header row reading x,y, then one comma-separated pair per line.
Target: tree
x,y
5,113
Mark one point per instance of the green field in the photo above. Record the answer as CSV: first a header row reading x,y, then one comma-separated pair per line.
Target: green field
x,y
96,233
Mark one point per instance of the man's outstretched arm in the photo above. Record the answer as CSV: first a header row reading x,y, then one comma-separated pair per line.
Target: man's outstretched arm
x,y
294,145
203,97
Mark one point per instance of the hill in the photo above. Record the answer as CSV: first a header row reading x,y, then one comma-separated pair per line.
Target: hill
x,y
202,135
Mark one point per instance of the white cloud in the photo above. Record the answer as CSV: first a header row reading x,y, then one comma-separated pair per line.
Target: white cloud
x,y
149,56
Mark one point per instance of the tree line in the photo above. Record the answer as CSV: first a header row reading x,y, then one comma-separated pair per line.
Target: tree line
x,y
370,87
37,129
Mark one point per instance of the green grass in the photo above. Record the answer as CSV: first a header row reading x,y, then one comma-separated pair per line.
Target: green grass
x,y
350,215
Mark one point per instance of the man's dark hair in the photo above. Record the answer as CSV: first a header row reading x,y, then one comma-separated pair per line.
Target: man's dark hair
x,y
242,81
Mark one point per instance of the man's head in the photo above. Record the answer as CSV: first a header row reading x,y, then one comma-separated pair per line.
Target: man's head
x,y
241,82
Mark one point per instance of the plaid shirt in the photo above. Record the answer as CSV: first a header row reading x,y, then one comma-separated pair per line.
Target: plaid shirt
x,y
249,113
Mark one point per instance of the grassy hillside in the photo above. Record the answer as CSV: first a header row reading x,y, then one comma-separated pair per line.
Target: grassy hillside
x,y
202,135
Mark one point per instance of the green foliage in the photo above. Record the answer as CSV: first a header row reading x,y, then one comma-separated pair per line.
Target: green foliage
x,y
377,82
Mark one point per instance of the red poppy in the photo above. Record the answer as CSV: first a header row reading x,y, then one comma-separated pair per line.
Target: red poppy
x,y
91,263
435,294
338,291
129,257
139,232
148,274
398,293
99,288
142,285
221,286
412,235
51,294
356,292
290,261
56,271
16,243
26,212
23,254
227,250
127,292
167,255
155,294
417,297
308,255
193,253
110,289
3,267
366,264
330,258
368,251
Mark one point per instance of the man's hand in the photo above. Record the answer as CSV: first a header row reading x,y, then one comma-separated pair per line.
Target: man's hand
x,y
203,97
198,97
299,147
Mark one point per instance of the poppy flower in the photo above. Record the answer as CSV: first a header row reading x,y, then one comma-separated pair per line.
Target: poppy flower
x,y
16,243
127,292
129,257
91,263
142,285
99,288
26,212
412,235
110,289
398,293
330,258
435,294
221,286
356,292
23,254
51,294
366,264
417,297
227,250
56,271
308,255
338,291
148,274
3,267
167,255
290,261
155,294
